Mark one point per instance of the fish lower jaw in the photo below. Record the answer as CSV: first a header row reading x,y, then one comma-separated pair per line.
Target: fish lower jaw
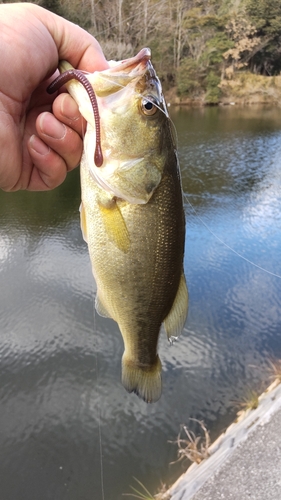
x,y
143,380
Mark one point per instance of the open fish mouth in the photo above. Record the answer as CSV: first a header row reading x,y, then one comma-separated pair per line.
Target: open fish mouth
x,y
141,59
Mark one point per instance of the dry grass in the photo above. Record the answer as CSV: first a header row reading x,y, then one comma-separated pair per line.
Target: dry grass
x,y
117,51
162,493
194,448
250,88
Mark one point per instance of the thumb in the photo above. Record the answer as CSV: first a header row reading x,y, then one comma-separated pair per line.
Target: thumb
x,y
73,43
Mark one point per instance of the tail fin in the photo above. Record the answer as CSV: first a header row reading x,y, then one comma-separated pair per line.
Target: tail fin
x,y
143,381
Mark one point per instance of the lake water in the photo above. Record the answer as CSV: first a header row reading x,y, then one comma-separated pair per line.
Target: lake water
x,y
65,418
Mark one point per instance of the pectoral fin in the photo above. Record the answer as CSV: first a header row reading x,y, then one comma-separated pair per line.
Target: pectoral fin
x,y
175,320
83,222
115,225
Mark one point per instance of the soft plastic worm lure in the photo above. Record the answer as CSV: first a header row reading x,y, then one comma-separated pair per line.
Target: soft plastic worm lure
x,y
75,74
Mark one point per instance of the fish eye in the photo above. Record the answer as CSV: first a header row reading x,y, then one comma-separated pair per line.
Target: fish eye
x,y
149,105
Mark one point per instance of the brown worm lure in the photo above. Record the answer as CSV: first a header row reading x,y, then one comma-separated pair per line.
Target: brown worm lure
x,y
75,74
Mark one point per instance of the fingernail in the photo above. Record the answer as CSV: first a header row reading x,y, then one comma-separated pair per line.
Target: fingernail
x,y
50,126
39,146
69,108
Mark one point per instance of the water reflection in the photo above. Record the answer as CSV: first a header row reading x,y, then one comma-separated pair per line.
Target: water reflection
x,y
230,155
60,364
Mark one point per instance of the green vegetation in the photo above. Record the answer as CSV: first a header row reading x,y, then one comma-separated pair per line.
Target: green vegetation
x,y
249,402
142,493
275,369
198,46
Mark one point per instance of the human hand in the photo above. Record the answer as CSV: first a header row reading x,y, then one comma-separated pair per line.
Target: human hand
x,y
38,147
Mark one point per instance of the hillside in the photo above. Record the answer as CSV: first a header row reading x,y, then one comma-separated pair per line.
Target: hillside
x,y
206,51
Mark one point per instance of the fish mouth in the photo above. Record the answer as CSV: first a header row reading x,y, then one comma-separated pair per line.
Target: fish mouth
x,y
121,73
138,61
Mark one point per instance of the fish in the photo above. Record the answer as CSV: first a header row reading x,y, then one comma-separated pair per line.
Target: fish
x,y
132,214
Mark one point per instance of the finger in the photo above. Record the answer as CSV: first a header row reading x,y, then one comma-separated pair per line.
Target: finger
x,y
62,139
49,169
66,111
57,150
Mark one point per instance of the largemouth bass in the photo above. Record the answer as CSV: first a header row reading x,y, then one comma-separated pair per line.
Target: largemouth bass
x,y
132,214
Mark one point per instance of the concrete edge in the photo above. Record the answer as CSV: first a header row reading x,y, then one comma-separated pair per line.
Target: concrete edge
x,y
197,474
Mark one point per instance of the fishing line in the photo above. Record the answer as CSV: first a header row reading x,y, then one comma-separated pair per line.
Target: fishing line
x,y
190,204
100,450
227,246
99,411
117,84
164,111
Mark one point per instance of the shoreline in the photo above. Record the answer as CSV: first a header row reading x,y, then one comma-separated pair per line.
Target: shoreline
x,y
249,422
243,89
172,100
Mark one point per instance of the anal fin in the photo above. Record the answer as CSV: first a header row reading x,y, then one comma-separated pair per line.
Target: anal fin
x,y
100,308
174,321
